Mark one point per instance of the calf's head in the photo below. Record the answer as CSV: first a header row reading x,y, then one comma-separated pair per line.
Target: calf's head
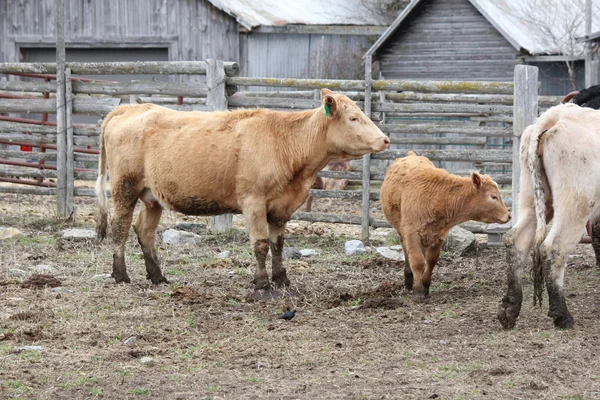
x,y
486,204
350,133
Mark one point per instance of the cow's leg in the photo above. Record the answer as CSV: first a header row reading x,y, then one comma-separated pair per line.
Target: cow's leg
x,y
255,213
124,194
560,241
518,243
417,264
145,228
596,241
276,239
432,256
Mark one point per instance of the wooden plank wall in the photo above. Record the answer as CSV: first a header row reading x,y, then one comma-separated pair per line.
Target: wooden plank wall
x,y
192,29
448,40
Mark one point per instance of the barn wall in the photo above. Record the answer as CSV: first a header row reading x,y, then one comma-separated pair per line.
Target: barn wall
x,y
285,55
447,40
190,29
554,77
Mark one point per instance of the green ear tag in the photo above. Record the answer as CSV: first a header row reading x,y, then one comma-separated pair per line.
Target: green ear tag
x,y
327,110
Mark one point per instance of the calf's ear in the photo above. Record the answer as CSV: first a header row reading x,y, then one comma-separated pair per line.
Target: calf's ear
x,y
476,179
328,101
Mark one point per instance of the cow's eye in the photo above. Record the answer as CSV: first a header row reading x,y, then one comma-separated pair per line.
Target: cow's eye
x,y
353,119
494,197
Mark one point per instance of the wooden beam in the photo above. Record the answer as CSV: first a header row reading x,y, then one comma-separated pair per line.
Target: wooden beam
x,y
119,68
355,30
525,113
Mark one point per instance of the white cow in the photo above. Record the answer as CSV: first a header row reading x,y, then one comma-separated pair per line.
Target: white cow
x,y
560,165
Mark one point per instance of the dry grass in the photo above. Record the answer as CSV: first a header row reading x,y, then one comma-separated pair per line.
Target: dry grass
x,y
356,334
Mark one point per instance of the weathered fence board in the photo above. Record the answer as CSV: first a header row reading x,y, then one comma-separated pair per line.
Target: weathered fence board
x,y
471,155
120,68
431,128
92,105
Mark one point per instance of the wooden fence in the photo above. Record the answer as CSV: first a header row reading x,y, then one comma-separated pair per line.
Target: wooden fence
x,y
459,125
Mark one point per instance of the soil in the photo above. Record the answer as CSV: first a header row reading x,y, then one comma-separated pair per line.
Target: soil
x,y
356,335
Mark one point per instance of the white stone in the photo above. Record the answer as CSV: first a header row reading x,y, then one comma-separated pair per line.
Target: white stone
x,y
6,233
172,236
43,269
130,340
308,252
354,246
79,234
224,254
147,360
460,241
390,253
29,348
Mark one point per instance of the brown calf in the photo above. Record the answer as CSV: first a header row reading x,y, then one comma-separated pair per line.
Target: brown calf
x,y
260,163
423,203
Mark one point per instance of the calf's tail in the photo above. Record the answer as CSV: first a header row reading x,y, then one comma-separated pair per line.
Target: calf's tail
x,y
102,215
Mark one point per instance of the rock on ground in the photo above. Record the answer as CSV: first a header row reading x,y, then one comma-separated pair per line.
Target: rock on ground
x,y
460,241
354,246
172,236
79,234
8,232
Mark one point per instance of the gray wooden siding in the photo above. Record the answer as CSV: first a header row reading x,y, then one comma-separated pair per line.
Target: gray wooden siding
x,y
284,55
190,29
448,40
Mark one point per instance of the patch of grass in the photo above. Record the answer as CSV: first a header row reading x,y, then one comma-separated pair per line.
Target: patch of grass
x,y
255,379
97,392
214,388
16,389
232,301
139,391
80,382
191,321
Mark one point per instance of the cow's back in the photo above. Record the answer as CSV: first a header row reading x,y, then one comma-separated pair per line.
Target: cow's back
x,y
407,180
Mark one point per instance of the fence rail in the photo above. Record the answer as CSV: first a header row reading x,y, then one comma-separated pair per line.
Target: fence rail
x,y
458,125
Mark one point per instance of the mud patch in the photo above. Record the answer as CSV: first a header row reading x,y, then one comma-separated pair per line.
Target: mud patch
x,y
381,302
267,295
40,281
189,295
376,263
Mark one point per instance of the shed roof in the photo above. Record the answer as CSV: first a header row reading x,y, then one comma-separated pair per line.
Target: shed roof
x,y
253,13
531,26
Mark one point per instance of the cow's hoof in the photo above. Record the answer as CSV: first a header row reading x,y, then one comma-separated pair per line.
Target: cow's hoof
x,y
419,297
121,278
262,285
157,279
281,281
564,321
509,311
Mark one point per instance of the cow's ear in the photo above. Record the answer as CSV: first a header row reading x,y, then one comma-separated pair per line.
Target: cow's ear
x,y
476,179
328,101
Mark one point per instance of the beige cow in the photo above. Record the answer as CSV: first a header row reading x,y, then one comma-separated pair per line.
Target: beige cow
x,y
258,162
560,163
423,203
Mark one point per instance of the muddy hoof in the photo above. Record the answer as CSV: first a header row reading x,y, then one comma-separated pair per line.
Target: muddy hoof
x,y
564,321
121,278
281,281
420,297
157,280
262,285
509,311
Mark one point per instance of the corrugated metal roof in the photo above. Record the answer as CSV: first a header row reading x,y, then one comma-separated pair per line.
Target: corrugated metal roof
x,y
535,26
253,13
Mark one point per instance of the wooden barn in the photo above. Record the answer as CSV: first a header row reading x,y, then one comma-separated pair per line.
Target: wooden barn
x,y
485,39
284,38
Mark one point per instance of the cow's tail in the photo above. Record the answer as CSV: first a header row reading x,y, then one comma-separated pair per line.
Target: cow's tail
x,y
536,134
102,216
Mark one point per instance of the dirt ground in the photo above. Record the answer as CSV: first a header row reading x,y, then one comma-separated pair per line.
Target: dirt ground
x,y
356,333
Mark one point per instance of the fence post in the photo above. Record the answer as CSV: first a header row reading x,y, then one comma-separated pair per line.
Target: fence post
x,y
70,174
61,121
366,171
525,111
216,100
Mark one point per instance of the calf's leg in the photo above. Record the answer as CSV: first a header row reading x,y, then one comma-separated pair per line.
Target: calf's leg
x,y
145,228
276,239
125,194
414,254
432,256
255,213
518,243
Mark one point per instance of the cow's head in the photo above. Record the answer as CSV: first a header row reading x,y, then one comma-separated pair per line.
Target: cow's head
x,y
487,205
350,133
